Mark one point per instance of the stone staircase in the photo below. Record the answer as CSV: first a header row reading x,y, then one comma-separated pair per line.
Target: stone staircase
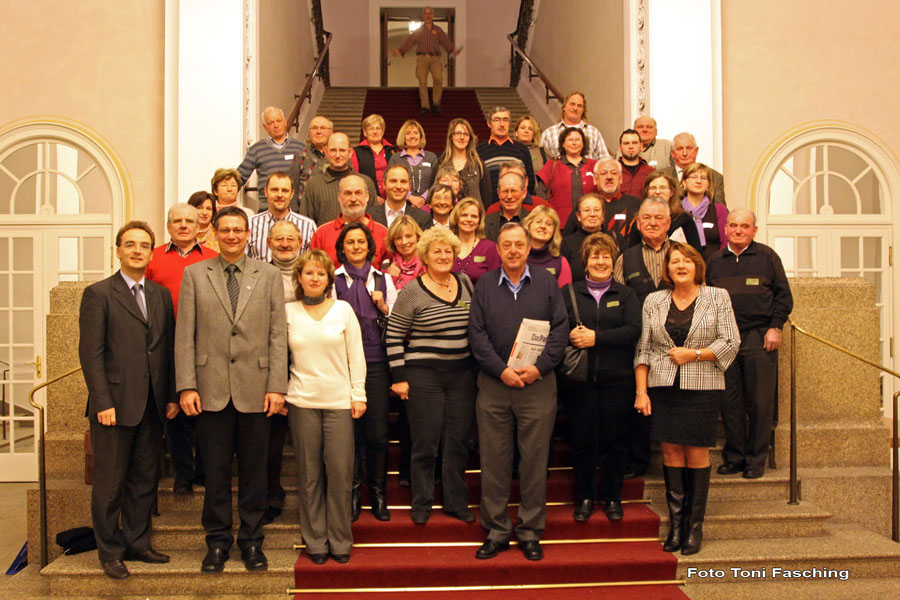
x,y
839,524
344,107
503,96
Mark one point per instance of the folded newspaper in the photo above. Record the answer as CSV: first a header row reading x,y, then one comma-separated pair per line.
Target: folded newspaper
x,y
529,344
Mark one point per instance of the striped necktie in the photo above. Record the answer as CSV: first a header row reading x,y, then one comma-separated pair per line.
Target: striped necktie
x,y
233,289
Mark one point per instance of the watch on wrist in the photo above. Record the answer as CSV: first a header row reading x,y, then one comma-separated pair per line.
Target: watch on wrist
x,y
698,355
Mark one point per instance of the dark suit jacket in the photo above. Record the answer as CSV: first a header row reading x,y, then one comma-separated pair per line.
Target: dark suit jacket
x,y
124,355
494,221
379,213
716,183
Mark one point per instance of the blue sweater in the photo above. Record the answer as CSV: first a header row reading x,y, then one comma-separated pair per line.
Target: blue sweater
x,y
496,315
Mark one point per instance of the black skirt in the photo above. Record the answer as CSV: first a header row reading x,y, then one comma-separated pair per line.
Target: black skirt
x,y
684,417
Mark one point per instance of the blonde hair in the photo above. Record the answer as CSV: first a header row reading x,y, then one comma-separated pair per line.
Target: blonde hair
x,y
536,140
396,229
547,211
462,205
401,135
373,119
436,235
693,168
221,175
318,257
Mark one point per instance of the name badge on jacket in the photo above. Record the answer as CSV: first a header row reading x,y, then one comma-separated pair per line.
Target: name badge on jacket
x,y
752,281
479,258
612,303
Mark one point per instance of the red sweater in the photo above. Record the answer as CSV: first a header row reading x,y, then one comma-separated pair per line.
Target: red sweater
x,y
558,180
326,236
633,185
167,266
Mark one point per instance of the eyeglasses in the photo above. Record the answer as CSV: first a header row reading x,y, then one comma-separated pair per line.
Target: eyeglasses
x,y
460,134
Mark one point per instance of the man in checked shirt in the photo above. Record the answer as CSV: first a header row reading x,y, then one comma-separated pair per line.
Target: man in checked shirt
x,y
428,40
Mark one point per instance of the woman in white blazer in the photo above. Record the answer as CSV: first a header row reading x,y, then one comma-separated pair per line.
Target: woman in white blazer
x,y
689,338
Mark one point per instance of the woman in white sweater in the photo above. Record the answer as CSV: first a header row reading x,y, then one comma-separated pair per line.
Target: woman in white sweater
x,y
325,393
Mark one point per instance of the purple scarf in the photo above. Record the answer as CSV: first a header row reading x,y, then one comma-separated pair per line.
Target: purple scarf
x,y
697,213
357,296
597,288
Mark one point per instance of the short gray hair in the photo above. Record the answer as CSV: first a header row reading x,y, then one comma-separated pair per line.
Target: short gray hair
x,y
496,110
283,223
743,211
269,109
652,200
182,205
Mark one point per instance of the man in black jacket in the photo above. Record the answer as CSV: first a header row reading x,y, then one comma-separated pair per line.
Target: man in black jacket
x,y
126,351
761,297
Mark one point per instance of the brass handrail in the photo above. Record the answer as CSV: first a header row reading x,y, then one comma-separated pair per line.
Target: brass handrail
x,y
306,93
895,453
42,465
550,90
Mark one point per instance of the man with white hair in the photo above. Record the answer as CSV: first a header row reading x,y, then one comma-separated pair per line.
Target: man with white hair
x,y
761,297
167,264
684,154
275,153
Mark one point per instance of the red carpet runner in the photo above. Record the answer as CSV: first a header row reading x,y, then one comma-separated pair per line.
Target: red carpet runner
x,y
600,559
397,105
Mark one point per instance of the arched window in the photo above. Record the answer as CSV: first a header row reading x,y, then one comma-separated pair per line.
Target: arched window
x,y
62,194
823,202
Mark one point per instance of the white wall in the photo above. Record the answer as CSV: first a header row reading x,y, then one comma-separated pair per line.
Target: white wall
x,y
210,91
685,77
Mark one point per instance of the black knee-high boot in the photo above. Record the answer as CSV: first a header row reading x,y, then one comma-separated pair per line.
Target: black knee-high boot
x,y
378,482
698,490
675,499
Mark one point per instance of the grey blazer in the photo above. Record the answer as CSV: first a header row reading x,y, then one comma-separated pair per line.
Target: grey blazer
x,y
224,356
713,327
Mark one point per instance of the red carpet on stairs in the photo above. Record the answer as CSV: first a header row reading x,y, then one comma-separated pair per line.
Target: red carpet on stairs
x,y
397,105
441,554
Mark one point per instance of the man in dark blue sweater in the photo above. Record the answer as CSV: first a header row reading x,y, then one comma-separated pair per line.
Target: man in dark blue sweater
x,y
521,398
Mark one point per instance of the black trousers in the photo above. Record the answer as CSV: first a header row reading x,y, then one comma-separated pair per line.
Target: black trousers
x,y
441,409
748,405
370,432
598,436
220,435
126,465
277,437
181,437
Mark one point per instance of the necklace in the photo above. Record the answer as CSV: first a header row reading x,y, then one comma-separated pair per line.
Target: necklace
x,y
312,300
443,285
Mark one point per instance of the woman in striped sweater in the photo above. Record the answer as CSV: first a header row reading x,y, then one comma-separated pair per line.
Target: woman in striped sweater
x,y
433,371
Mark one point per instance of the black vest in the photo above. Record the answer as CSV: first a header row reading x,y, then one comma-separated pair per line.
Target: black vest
x,y
636,275
366,160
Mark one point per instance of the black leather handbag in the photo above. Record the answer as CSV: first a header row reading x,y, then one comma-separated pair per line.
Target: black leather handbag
x,y
574,366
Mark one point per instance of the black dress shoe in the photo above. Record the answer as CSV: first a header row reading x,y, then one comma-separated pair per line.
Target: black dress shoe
x,y
214,561
437,110
634,473
490,549
115,569
420,516
182,488
319,558
614,510
424,110
148,556
730,468
465,515
583,510
355,506
271,514
254,559
341,558
532,549
753,473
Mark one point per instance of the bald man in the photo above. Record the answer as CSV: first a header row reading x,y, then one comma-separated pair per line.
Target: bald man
x,y
655,150
320,198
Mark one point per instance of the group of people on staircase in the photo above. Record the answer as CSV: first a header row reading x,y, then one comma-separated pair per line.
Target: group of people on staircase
x,y
448,284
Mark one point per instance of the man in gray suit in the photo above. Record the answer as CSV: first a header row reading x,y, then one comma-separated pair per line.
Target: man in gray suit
x,y
231,352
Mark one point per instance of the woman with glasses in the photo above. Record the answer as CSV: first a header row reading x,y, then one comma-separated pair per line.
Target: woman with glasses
x,y
371,156
459,153
699,202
